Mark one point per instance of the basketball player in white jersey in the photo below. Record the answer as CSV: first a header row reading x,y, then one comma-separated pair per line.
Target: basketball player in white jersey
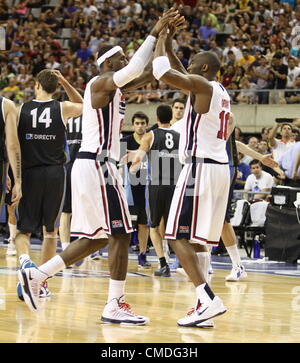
x,y
100,211
199,203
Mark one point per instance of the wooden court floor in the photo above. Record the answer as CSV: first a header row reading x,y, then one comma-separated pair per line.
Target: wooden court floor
x,y
261,308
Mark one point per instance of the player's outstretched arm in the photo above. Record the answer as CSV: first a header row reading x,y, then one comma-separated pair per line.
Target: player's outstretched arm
x,y
193,83
141,152
124,78
73,107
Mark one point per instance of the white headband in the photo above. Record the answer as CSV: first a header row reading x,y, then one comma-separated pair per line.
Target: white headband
x,y
108,54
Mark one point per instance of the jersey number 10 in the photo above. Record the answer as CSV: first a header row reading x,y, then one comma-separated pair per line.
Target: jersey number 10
x,y
224,118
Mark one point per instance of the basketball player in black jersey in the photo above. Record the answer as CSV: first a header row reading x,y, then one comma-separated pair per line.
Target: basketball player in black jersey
x,y
74,137
162,146
42,129
137,184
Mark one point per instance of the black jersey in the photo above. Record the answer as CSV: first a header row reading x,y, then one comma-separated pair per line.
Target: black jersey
x,y
164,162
137,181
74,136
2,131
41,133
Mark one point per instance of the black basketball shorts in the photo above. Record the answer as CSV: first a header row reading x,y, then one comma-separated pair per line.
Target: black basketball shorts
x,y
43,190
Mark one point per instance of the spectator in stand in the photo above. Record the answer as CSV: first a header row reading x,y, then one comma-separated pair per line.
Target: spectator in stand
x,y
207,32
214,48
263,147
253,144
243,172
74,42
290,163
248,94
262,75
293,73
230,46
264,134
226,77
280,146
258,181
279,73
84,53
246,59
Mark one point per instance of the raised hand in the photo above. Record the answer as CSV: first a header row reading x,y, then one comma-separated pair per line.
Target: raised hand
x,y
171,14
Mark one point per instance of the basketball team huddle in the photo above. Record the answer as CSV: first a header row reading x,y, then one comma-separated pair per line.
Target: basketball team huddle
x,y
193,206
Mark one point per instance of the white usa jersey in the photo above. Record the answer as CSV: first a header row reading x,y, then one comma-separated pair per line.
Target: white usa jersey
x,y
204,135
101,128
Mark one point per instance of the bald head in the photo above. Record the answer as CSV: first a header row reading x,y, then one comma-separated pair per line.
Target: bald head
x,y
206,64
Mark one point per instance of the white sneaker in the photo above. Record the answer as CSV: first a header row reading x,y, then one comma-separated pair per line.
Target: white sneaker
x,y
203,312
31,280
117,311
11,248
206,324
237,273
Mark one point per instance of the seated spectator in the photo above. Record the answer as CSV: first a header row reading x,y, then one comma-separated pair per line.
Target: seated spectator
x,y
226,77
12,89
243,173
258,181
246,59
207,31
23,77
263,147
84,52
253,144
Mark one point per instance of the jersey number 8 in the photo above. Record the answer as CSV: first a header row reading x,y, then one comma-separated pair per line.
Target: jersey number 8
x,y
169,141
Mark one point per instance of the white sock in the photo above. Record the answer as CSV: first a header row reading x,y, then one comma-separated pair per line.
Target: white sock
x,y
166,250
23,258
64,245
204,294
54,265
234,255
204,258
12,231
116,289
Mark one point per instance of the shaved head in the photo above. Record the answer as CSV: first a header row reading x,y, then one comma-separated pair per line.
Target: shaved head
x,y
205,63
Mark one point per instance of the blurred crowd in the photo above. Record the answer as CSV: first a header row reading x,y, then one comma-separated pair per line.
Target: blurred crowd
x,y
258,42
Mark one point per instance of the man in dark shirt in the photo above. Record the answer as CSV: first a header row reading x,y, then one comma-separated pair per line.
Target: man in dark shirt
x,y
137,186
279,72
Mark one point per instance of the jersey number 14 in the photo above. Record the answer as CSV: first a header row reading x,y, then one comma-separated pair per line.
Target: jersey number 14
x,y
43,119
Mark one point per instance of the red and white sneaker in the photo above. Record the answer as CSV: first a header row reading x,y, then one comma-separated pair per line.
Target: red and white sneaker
x,y
203,312
117,311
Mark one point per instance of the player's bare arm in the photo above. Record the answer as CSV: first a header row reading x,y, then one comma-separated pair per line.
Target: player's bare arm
x,y
174,60
141,152
265,159
13,147
196,84
73,107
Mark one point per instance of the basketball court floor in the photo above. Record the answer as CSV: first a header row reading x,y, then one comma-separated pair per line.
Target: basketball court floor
x,y
265,307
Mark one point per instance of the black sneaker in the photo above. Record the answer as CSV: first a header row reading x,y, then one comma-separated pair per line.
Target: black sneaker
x,y
163,271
